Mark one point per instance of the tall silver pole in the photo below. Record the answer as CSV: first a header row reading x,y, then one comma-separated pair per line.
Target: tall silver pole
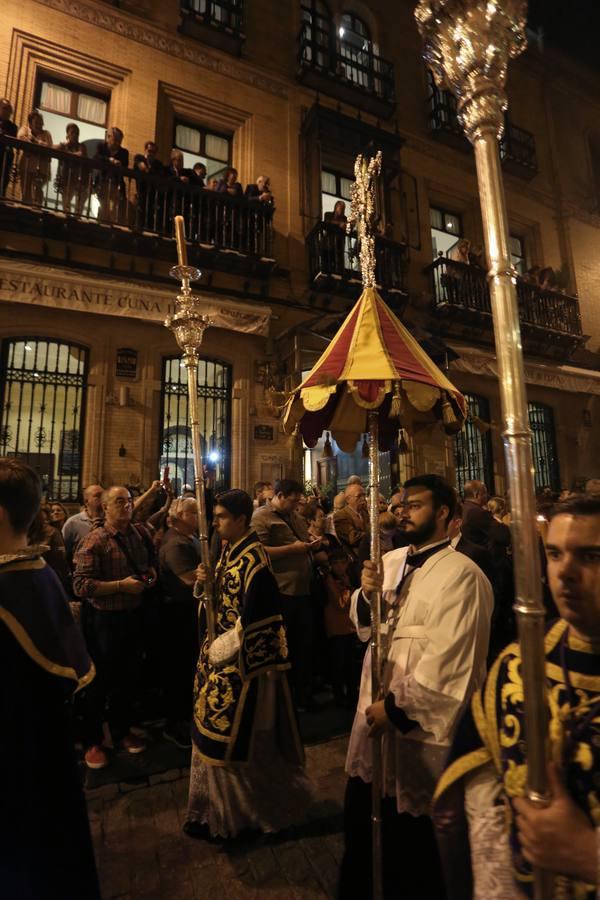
x,y
188,324
467,45
376,691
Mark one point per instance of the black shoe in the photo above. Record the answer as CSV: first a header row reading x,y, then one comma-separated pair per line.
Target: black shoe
x,y
199,831
178,734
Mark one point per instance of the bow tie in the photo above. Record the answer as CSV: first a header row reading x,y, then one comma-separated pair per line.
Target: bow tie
x,y
416,560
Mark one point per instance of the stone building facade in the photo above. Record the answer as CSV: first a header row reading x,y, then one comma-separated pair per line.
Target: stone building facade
x,y
92,389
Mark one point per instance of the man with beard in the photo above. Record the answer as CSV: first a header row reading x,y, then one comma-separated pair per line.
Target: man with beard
x,y
436,609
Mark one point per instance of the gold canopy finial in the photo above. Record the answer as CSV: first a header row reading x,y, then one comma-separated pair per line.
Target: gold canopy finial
x,y
362,212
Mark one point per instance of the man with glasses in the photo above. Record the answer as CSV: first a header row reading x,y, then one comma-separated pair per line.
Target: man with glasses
x,y
436,609
114,565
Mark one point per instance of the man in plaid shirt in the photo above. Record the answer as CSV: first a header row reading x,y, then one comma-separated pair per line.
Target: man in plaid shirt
x,y
114,565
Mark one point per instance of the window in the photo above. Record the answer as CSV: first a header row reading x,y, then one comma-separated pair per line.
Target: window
x,y
543,441
517,253
201,145
473,446
214,396
595,166
43,384
60,105
334,187
446,229
442,107
316,39
227,14
356,51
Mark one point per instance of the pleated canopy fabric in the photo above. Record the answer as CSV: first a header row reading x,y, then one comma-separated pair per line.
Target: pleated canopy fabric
x,y
373,362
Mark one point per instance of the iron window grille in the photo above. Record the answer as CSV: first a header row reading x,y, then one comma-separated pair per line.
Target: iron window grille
x,y
543,445
473,448
42,390
214,397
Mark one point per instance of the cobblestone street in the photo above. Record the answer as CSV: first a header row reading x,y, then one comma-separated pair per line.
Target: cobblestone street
x,y
142,853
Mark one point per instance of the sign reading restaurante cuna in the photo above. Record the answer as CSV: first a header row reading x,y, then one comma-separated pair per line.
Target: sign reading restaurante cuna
x,y
73,291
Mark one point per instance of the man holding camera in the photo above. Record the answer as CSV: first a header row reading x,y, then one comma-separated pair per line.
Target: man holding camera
x,y
114,565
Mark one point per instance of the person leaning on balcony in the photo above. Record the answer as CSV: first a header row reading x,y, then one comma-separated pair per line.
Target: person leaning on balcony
x,y
229,183
109,184
7,129
338,216
34,169
71,180
260,191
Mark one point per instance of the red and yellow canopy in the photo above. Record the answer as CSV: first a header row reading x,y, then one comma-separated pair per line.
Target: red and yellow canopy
x,y
373,362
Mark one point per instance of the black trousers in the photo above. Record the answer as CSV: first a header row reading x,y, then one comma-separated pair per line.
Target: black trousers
x,y
115,643
179,633
411,863
344,672
298,617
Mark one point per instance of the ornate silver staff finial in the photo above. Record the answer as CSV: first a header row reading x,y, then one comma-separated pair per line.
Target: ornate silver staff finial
x,y
362,212
467,46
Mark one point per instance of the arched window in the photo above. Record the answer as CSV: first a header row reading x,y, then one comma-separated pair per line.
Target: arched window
x,y
543,445
316,34
356,51
473,445
42,395
214,397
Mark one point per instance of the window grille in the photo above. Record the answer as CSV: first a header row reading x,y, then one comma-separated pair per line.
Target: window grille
x,y
543,440
473,448
214,398
43,387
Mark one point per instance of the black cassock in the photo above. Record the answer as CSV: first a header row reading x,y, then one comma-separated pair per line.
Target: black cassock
x,y
45,845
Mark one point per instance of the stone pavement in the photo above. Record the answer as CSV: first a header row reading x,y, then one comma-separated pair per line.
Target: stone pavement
x,y
142,853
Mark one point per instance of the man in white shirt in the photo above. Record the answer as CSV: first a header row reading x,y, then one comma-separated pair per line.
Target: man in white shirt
x,y
436,610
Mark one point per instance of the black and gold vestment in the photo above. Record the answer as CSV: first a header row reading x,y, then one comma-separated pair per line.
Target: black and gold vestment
x,y
492,732
225,695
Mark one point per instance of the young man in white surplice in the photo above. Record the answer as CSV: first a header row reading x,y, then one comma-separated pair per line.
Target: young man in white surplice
x,y
436,610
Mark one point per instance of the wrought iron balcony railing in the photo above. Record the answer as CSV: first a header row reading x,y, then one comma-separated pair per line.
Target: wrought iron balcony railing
x,y
461,293
344,73
333,261
517,146
92,192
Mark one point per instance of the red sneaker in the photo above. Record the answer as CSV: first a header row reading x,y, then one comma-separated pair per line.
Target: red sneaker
x,y
96,758
133,744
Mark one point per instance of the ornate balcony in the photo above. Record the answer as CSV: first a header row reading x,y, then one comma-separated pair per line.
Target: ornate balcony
x,y
517,146
333,263
219,23
364,81
58,196
550,321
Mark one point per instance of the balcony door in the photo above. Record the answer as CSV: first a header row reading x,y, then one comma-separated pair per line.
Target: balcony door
x,y
543,445
43,385
473,445
356,51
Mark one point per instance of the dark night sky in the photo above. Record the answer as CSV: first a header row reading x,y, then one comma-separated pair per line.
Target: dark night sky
x,y
571,25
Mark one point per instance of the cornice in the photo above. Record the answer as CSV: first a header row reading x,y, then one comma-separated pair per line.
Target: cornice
x,y
150,36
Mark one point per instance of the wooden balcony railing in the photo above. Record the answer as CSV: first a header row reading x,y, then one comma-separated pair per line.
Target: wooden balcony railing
x,y
94,192
333,261
461,294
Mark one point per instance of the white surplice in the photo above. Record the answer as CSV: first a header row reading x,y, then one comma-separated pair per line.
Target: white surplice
x,y
435,637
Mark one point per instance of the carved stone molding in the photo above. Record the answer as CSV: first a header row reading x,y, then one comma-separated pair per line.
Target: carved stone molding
x,y
150,36
30,54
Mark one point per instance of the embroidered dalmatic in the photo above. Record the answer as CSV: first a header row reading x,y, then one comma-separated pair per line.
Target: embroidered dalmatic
x,y
488,761
247,752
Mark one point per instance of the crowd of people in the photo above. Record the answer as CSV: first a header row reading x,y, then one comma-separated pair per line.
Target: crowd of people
x,y
291,584
470,254
155,203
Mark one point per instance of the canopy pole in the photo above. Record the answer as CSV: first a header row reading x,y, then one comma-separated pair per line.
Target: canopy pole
x,y
188,325
467,46
376,685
